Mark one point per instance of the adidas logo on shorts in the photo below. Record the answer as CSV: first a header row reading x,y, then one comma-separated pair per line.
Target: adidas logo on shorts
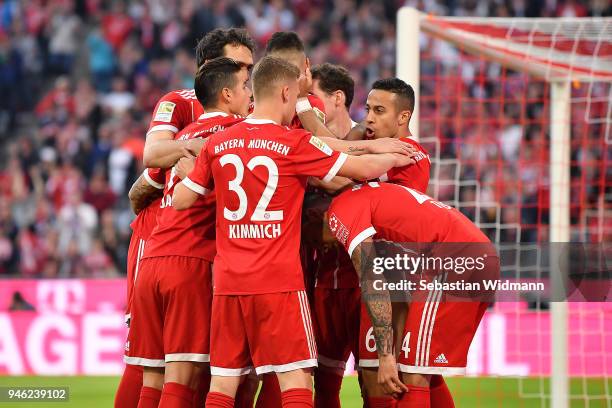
x,y
441,359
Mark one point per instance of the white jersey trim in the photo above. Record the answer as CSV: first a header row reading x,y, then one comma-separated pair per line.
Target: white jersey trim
x,y
311,362
212,115
431,370
145,362
193,186
362,236
230,372
157,128
152,182
254,121
199,358
336,167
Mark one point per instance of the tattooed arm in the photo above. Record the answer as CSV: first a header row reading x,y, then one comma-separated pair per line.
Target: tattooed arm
x,y
142,194
378,305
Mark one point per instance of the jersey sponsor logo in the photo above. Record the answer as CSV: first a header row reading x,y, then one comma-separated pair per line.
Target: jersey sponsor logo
x,y
338,229
320,114
251,231
164,112
321,145
441,359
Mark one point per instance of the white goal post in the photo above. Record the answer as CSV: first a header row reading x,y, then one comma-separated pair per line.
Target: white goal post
x,y
527,45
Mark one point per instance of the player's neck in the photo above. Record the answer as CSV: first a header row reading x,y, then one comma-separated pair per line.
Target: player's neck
x,y
214,109
403,132
341,125
267,111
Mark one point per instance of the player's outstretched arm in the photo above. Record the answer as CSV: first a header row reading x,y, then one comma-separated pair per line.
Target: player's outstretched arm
x,y
142,193
183,197
310,122
187,191
378,305
359,147
161,150
335,186
371,166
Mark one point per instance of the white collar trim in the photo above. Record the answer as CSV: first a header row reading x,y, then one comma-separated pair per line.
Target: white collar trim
x,y
253,121
212,115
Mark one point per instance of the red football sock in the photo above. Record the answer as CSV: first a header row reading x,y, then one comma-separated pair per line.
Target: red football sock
x,y
149,397
327,389
439,395
245,397
218,400
270,394
416,397
381,402
297,398
175,395
128,391
199,396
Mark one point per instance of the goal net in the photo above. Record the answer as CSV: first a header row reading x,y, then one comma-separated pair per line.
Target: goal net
x,y
516,115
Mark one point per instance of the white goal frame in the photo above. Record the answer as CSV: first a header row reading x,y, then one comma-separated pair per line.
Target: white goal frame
x,y
408,60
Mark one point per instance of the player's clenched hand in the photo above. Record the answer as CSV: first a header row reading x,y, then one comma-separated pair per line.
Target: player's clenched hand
x,y
184,166
402,160
388,376
390,145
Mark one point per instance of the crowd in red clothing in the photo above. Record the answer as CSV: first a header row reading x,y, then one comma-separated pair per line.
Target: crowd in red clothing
x,y
79,79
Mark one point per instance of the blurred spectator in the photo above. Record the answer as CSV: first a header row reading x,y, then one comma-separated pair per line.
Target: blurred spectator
x,y
64,38
18,303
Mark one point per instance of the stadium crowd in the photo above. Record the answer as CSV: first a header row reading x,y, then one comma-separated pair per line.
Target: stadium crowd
x,y
79,80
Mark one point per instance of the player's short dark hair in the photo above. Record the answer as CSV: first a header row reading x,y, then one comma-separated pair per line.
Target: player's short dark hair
x,y
282,41
212,44
212,77
403,91
333,78
268,72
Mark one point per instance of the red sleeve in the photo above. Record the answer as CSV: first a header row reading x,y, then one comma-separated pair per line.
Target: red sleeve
x,y
317,106
350,220
414,176
172,112
155,177
313,157
200,179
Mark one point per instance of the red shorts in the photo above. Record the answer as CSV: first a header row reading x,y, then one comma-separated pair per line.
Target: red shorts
x,y
135,251
437,337
336,318
266,333
170,312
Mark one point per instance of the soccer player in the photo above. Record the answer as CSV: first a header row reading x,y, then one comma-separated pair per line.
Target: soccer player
x,y
177,109
403,215
336,297
260,169
174,111
173,294
310,111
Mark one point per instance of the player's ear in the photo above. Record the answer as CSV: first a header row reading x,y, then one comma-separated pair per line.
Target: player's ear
x,y
285,93
404,117
226,93
339,98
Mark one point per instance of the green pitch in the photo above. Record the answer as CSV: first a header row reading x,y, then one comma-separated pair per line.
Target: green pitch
x,y
94,392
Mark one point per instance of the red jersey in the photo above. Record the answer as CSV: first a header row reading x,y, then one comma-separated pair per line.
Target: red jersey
x,y
334,269
175,111
190,232
260,170
317,106
146,219
414,175
397,214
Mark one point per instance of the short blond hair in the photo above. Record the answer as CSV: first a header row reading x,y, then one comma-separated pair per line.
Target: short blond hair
x,y
269,73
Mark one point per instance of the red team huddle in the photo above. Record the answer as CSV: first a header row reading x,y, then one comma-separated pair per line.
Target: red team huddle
x,y
218,269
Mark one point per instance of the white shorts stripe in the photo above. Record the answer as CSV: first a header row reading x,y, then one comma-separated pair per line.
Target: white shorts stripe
x,y
330,362
313,344
283,368
199,358
368,363
425,309
430,308
309,317
432,322
141,245
230,372
304,322
431,370
146,362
